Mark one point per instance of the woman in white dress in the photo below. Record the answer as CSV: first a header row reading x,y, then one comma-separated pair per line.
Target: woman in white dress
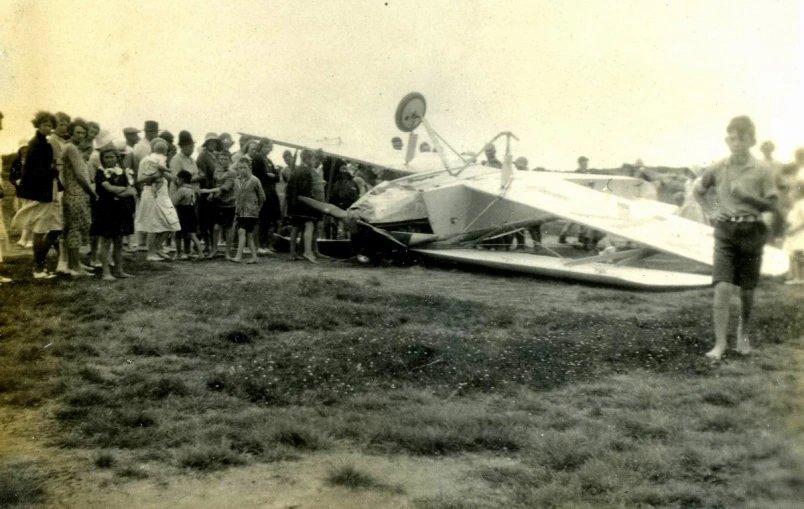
x,y
156,216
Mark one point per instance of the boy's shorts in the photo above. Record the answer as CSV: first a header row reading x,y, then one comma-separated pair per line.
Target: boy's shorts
x,y
224,216
738,253
247,223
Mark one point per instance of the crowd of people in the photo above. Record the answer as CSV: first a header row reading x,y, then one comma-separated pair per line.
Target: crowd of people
x,y
78,186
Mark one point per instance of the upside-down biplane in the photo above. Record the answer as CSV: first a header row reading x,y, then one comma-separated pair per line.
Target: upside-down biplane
x,y
451,212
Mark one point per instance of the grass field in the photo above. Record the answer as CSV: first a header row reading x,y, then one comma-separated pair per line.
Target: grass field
x,y
506,392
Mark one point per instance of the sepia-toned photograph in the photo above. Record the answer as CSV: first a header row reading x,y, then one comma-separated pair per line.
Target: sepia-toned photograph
x,y
420,254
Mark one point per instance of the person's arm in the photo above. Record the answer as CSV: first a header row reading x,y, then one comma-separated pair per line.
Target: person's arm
x,y
118,190
260,193
768,200
272,174
703,184
163,172
762,204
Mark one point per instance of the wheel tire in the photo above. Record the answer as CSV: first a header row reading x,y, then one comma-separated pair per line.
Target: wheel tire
x,y
402,117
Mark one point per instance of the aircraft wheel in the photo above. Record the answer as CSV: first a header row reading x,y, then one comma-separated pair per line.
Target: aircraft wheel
x,y
410,112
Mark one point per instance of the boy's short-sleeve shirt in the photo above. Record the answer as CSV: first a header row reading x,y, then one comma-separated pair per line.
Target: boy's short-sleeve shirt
x,y
754,177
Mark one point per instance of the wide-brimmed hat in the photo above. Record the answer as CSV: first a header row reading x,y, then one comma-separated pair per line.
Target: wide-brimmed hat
x,y
151,126
167,136
212,137
103,138
185,138
131,130
226,137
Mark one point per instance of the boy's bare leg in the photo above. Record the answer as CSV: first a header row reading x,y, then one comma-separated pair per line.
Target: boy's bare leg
x,y
178,240
229,234
197,243
747,301
309,233
252,245
720,316
316,232
216,230
256,234
241,245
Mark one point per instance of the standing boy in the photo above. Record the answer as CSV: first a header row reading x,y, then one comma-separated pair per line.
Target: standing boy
x,y
249,198
744,189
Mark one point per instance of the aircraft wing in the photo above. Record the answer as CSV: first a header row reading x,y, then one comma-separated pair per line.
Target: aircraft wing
x,y
630,219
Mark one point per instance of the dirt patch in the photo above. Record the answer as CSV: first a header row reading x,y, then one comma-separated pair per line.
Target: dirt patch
x,y
300,484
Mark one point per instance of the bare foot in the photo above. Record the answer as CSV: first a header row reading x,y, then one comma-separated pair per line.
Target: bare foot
x,y
109,277
716,353
743,346
252,260
309,258
236,259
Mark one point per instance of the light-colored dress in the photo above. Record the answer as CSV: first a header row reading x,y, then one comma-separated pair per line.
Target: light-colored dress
x,y
155,212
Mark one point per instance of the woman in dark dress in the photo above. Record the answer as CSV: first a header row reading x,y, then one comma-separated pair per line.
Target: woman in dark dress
x,y
38,190
115,206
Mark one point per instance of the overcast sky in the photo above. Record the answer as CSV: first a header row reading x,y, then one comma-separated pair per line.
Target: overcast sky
x,y
613,80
